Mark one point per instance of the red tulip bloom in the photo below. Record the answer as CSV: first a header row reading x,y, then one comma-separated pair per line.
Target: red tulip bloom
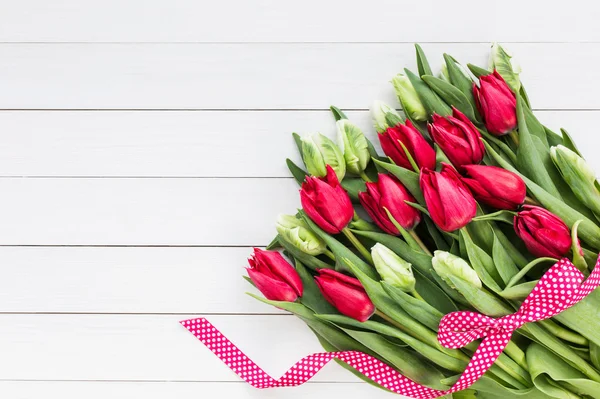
x,y
415,143
458,138
346,294
326,202
274,276
496,103
450,203
544,233
388,193
496,187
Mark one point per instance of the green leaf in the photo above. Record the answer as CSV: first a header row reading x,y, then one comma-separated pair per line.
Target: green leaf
x,y
518,292
578,317
312,297
553,138
337,113
342,254
478,71
503,66
547,369
499,216
310,261
438,239
482,263
298,173
481,232
298,141
431,101
273,244
451,95
504,264
405,360
420,310
529,161
568,142
588,230
595,354
459,79
480,299
330,348
518,258
422,63
354,185
408,178
439,358
535,127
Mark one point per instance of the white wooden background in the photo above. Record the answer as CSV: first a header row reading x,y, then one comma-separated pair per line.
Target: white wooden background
x,y
141,156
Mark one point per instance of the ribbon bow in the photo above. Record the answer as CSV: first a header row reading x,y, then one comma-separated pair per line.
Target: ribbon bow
x,y
561,287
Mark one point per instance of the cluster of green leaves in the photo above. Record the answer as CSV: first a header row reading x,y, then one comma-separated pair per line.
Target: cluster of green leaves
x,y
556,358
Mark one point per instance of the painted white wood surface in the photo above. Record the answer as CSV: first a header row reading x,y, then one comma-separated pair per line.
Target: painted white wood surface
x,y
189,143
264,75
142,148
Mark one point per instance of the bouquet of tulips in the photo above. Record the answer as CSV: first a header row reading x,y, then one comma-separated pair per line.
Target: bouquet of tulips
x,y
471,201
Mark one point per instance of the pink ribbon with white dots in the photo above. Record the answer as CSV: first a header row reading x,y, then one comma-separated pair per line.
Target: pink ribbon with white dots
x,y
560,288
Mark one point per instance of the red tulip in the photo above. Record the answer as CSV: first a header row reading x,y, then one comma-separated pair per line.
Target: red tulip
x,y
496,187
415,143
458,138
390,194
274,276
450,203
346,294
544,233
496,104
326,202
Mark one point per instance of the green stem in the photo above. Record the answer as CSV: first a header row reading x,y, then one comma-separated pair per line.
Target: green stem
x,y
414,235
364,176
417,295
358,245
517,277
329,254
563,333
514,137
531,201
516,354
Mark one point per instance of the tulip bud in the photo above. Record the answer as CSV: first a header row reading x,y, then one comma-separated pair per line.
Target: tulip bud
x,y
450,203
408,97
354,146
274,276
391,135
444,73
384,116
297,233
458,138
346,294
393,269
318,151
579,176
388,193
496,187
496,104
326,202
502,61
544,234
446,264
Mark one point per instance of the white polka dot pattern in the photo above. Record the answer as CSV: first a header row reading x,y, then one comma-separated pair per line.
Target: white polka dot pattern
x,y
560,288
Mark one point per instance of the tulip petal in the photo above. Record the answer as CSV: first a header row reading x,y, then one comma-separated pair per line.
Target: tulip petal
x,y
271,288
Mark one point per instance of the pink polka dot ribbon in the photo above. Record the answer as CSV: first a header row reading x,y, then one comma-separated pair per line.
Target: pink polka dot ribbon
x,y
560,288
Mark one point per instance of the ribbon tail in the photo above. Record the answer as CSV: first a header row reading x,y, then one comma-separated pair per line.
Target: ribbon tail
x,y
306,368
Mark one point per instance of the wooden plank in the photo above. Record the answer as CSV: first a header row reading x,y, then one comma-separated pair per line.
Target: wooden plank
x,y
161,390
126,280
205,212
147,348
311,20
263,76
187,144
